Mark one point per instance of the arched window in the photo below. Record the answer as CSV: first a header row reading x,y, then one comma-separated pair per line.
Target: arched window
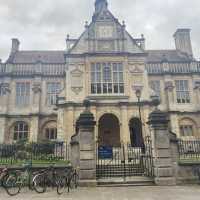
x,y
50,131
187,127
21,130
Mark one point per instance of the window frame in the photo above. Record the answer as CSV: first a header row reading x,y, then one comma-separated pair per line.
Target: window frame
x,y
183,95
102,83
51,97
18,129
22,93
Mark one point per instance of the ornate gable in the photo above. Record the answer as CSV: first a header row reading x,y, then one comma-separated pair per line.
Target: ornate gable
x,y
105,34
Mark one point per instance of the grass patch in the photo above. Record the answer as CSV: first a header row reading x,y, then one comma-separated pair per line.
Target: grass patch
x,y
35,163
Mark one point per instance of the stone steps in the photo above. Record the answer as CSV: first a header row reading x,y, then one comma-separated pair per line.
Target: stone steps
x,y
127,182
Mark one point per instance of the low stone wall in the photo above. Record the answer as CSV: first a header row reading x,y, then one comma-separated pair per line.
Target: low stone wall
x,y
185,173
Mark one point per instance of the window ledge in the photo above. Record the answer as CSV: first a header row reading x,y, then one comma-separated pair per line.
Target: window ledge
x,y
103,97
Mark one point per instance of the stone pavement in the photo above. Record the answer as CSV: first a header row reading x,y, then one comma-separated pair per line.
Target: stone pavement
x,y
115,193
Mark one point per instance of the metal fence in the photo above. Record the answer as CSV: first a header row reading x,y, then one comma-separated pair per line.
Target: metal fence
x,y
189,150
34,152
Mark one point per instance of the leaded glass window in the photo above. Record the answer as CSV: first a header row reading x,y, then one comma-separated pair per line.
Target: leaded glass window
x,y
20,131
22,94
182,91
53,89
107,78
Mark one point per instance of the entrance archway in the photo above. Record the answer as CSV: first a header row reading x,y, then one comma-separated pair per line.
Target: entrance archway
x,y
135,128
109,131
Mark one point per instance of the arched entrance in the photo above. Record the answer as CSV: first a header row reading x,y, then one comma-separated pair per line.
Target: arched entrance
x,y
109,131
135,127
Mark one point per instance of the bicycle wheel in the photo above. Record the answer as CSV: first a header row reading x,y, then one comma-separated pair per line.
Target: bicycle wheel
x,y
61,185
12,185
39,183
74,181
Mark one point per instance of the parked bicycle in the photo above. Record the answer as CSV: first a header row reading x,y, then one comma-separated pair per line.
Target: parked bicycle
x,y
3,176
69,181
46,178
17,179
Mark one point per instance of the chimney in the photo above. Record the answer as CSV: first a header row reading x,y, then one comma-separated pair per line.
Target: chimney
x,y
183,41
15,45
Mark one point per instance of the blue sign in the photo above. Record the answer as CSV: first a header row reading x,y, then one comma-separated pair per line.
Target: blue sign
x,y
105,152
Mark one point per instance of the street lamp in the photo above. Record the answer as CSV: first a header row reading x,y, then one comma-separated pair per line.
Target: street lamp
x,y
138,93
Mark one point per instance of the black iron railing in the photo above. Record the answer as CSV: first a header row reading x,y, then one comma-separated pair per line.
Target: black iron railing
x,y
189,150
33,152
125,161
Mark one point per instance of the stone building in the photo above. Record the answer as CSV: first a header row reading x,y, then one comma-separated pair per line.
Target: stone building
x,y
42,92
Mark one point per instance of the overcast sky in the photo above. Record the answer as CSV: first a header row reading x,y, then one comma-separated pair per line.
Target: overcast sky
x,y
44,24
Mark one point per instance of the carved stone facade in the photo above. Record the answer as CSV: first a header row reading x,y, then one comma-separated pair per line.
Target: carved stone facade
x,y
108,66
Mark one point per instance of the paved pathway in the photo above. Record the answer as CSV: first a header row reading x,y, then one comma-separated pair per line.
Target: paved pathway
x,y
122,193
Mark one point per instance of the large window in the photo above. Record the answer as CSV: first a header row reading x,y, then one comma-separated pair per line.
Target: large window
x,y
182,91
155,86
53,89
22,93
20,131
107,78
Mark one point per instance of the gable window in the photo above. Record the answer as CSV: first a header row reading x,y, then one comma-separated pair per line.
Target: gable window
x,y
155,86
22,94
107,78
182,91
20,131
53,89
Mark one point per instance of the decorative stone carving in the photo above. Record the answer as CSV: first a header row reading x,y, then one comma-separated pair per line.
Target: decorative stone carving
x,y
36,88
105,45
5,87
76,80
197,84
135,69
169,86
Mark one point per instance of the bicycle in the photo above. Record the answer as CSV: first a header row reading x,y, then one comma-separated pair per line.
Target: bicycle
x,y
18,179
3,176
46,178
69,180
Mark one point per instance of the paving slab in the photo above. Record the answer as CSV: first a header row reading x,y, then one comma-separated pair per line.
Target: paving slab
x,y
191,192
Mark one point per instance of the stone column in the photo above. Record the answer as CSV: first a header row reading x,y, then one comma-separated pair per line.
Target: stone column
x,y
163,165
169,93
87,147
34,130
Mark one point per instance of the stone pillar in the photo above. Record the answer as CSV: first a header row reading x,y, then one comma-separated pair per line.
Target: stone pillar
x,y
163,165
36,97
2,130
169,94
87,147
124,132
34,130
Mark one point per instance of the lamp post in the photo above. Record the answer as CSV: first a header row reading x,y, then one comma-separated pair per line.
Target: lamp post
x,y
138,93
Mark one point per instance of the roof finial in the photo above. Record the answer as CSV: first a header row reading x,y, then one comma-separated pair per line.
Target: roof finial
x,y
100,4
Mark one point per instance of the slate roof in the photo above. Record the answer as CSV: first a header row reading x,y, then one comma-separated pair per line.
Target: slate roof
x,y
31,57
58,57
157,56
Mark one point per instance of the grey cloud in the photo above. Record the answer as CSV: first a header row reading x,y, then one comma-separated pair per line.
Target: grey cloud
x,y
45,24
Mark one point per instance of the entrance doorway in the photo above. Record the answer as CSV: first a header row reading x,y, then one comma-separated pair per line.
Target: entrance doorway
x,y
135,128
109,131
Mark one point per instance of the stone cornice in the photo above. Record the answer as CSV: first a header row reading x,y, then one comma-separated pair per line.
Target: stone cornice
x,y
28,115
